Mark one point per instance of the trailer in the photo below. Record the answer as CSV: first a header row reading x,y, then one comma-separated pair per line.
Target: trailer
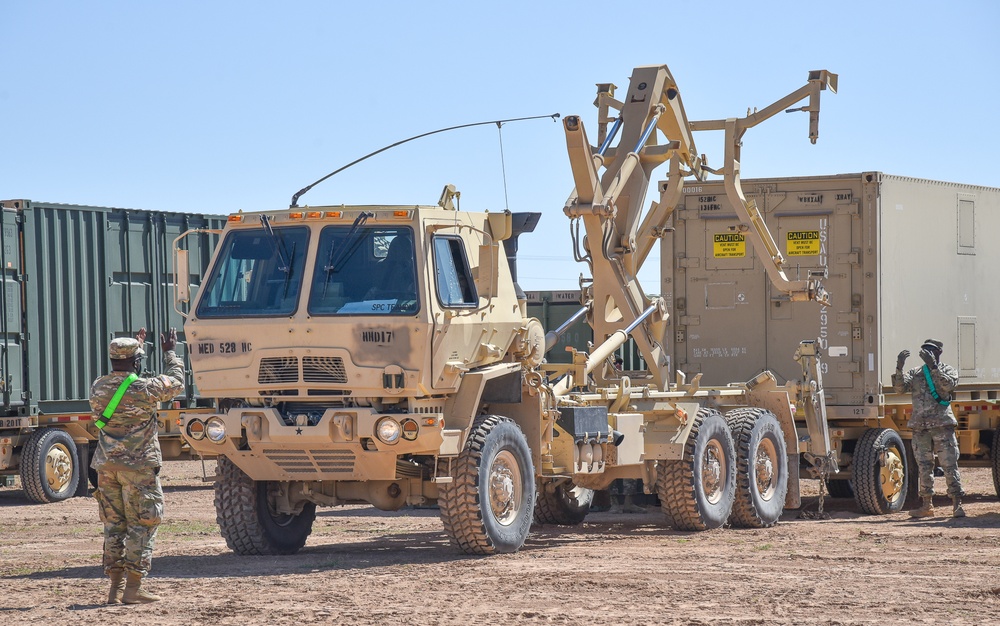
x,y
904,259
74,278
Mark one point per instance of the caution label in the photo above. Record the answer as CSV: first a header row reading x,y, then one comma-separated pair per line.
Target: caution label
x,y
729,245
802,243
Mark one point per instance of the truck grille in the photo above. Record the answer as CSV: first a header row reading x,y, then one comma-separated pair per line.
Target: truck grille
x,y
323,369
312,461
278,369
315,369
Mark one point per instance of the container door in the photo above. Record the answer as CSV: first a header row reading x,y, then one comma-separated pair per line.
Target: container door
x,y
12,382
817,242
719,299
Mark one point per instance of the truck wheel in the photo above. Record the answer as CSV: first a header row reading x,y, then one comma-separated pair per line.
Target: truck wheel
x,y
761,468
880,476
697,492
248,522
995,457
49,468
488,506
565,505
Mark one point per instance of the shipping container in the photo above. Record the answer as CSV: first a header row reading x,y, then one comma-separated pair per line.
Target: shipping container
x,y
74,278
904,259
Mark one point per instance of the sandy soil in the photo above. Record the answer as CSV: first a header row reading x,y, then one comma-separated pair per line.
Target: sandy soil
x,y
363,566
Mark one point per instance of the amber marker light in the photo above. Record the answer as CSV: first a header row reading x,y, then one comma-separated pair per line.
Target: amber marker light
x,y
314,215
401,214
430,421
409,430
235,218
295,216
334,214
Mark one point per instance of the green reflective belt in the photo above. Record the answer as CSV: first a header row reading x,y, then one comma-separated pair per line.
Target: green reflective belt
x,y
109,410
930,383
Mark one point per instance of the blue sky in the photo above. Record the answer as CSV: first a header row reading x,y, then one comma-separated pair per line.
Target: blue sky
x,y
218,106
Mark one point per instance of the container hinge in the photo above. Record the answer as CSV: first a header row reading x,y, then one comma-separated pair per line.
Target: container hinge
x,y
690,320
689,262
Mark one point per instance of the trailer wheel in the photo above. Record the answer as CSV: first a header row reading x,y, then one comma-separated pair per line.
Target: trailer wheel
x,y
248,522
840,488
49,468
566,504
995,457
761,468
697,492
489,505
880,473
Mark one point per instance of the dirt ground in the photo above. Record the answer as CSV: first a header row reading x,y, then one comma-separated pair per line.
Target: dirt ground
x,y
363,566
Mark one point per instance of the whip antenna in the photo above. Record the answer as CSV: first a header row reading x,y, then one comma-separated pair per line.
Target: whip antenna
x,y
300,192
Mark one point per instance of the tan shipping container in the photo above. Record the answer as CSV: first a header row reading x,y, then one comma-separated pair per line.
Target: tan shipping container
x,y
905,259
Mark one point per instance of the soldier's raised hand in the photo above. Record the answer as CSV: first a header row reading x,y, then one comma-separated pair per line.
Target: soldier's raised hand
x,y
901,359
168,341
929,358
141,335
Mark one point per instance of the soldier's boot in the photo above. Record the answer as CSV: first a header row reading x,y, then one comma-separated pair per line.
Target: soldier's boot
x,y
134,593
117,586
926,509
956,507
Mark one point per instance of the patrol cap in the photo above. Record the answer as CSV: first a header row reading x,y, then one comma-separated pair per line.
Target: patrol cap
x,y
933,344
125,348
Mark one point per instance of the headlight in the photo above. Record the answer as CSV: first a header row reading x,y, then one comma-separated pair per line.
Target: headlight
x,y
196,430
215,429
387,430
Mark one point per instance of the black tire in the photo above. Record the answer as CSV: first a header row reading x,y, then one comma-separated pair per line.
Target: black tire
x,y
880,472
565,505
761,468
481,519
995,457
247,522
840,488
697,492
49,468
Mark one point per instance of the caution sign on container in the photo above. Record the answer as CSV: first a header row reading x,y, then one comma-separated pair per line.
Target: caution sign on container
x,y
802,243
729,245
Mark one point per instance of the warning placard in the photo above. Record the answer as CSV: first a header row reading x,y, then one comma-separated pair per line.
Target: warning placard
x,y
729,245
802,243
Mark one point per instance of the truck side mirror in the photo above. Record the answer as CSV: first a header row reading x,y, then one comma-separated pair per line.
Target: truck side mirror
x,y
182,276
488,275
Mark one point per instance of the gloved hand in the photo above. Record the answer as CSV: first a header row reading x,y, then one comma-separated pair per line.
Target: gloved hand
x,y
169,341
901,359
929,358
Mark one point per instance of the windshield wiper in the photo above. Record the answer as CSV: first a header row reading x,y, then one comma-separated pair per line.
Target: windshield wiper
x,y
279,245
345,251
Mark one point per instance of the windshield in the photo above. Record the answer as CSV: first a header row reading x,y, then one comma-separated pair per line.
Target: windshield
x,y
257,274
364,271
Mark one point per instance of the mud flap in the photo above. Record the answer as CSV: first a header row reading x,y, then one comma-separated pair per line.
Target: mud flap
x,y
83,464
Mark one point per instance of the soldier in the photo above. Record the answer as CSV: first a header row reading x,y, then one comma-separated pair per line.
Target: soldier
x,y
933,423
128,460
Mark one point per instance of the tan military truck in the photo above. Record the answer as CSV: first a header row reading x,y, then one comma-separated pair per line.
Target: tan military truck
x,y
384,355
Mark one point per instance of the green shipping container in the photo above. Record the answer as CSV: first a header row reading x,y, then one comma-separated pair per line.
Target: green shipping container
x,y
76,277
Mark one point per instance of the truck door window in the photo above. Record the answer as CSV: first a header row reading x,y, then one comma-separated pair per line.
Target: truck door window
x,y
455,287
249,278
374,273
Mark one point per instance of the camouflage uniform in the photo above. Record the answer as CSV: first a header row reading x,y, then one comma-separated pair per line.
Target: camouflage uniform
x,y
933,426
128,459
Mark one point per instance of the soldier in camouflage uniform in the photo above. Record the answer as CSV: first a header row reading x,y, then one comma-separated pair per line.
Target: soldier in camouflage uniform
x,y
933,423
128,460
